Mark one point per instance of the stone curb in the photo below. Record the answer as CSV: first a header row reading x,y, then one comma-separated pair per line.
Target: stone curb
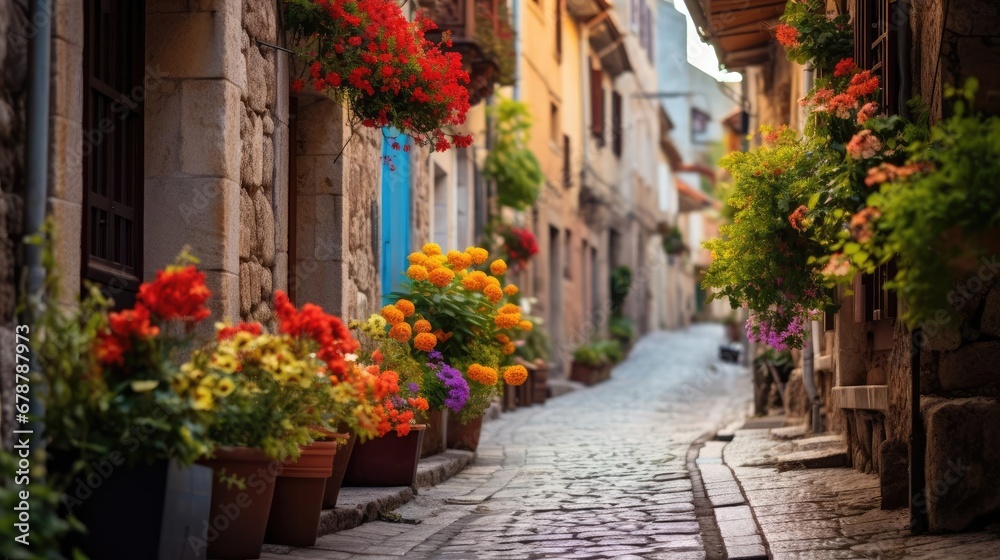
x,y
357,506
741,536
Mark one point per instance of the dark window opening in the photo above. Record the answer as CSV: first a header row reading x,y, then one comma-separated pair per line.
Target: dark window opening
x,y
616,123
114,65
597,105
567,163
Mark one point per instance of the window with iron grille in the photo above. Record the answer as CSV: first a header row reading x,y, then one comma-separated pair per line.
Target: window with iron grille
x,y
114,50
616,123
597,105
875,41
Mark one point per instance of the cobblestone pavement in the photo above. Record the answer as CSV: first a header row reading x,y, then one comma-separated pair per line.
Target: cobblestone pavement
x,y
598,473
835,513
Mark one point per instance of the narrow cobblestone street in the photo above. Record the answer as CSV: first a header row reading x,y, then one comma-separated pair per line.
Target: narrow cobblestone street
x,y
600,472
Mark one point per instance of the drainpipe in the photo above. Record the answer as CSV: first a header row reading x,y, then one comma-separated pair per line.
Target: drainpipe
x,y
36,179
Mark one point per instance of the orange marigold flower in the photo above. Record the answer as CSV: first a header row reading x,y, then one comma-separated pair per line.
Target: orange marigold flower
x,y
478,254
400,332
419,403
493,280
525,325
482,374
515,375
416,272
431,249
503,339
509,308
441,277
510,290
472,283
406,306
422,326
507,320
425,342
493,292
377,356
508,348
459,260
392,315
441,336
417,258
498,267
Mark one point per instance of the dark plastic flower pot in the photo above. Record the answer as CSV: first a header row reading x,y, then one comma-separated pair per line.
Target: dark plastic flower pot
x,y
239,516
298,496
158,511
464,436
340,461
390,460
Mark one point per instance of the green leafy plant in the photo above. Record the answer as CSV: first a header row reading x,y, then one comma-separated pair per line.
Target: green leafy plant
x,y
809,35
673,240
940,213
621,329
46,529
611,351
589,354
621,283
510,163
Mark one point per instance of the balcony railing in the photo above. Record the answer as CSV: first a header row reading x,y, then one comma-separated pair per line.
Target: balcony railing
x,y
481,34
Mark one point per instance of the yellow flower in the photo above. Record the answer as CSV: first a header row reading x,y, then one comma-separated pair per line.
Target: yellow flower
x,y
441,277
225,362
498,267
425,342
416,272
478,254
462,273
509,308
422,326
417,258
203,399
400,332
515,375
507,320
525,325
392,314
406,306
510,290
180,383
224,387
431,249
508,348
493,292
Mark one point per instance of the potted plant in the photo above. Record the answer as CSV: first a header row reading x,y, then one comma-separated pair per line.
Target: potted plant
x,y
457,321
588,362
112,416
533,349
413,85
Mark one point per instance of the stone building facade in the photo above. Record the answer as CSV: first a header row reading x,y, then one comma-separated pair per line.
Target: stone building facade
x,y
864,363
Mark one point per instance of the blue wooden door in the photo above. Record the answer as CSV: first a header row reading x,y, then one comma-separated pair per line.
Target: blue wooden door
x,y
395,212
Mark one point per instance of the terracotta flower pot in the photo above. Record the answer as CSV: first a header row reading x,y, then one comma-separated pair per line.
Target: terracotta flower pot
x,y
585,373
540,380
298,496
390,460
436,436
340,461
464,436
239,516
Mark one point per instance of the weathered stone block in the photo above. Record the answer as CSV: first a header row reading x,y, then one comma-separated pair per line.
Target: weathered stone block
x,y
225,300
972,366
259,19
267,161
280,275
247,221
894,474
246,297
258,73
67,22
963,460
322,283
162,117
202,212
320,127
990,324
66,163
210,117
67,80
69,216
264,229
195,44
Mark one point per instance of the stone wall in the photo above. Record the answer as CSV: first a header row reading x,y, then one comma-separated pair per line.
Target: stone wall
x,y
257,162
13,66
337,191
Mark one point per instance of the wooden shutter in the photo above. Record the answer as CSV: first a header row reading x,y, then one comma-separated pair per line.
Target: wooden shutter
x,y
567,163
597,105
558,30
114,64
872,301
616,123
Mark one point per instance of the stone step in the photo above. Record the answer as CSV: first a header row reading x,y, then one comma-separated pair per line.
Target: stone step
x,y
827,458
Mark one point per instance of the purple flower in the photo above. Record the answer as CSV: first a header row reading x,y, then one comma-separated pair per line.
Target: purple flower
x,y
414,388
458,388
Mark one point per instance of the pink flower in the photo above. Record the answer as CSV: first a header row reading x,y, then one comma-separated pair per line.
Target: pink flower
x,y
867,111
864,145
